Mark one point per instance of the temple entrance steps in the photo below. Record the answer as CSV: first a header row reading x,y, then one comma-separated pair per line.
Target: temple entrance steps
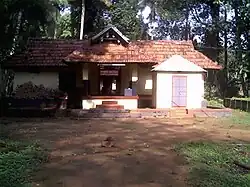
x,y
110,105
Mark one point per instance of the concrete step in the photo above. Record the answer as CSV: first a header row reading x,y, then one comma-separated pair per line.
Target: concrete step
x,y
110,106
103,110
109,102
181,113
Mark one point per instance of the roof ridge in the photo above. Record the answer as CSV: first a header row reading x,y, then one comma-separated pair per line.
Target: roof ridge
x,y
177,42
54,39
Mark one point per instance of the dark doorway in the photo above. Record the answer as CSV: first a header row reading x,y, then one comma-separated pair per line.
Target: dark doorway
x,y
110,80
67,81
67,84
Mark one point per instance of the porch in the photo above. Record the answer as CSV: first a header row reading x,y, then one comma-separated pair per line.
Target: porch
x,y
134,85
123,86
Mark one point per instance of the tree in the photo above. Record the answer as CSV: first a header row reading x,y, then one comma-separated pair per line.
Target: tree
x,y
93,19
123,14
64,26
21,19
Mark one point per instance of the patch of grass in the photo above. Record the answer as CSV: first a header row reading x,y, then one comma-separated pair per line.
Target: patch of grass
x,y
239,119
212,164
18,161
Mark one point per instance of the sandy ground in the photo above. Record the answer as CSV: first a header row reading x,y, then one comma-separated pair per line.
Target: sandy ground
x,y
142,155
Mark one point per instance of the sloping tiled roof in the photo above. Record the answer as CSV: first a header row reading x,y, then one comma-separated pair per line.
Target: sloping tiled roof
x,y
49,52
177,63
147,51
44,52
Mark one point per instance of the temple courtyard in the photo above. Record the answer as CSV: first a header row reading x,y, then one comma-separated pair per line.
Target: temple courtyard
x,y
122,152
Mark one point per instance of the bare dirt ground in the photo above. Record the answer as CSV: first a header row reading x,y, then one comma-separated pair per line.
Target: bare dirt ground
x,y
142,155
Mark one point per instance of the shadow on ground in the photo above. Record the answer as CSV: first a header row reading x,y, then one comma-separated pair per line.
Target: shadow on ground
x,y
143,154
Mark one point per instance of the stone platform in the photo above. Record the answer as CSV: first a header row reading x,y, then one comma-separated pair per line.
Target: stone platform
x,y
149,113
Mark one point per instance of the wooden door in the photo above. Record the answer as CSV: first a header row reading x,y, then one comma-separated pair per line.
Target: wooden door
x,y
179,91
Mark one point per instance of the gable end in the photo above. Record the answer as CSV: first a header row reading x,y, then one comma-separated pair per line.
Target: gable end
x,y
110,34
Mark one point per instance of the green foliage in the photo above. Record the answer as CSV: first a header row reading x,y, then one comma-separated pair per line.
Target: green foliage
x,y
17,162
64,26
216,102
21,19
124,17
212,164
94,19
211,91
211,95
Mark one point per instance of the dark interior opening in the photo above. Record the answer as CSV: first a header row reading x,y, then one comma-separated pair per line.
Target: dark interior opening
x,y
67,84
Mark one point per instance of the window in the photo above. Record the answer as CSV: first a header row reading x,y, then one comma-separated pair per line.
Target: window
x,y
148,84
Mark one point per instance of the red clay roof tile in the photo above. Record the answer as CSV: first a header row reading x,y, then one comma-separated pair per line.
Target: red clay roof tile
x,y
49,52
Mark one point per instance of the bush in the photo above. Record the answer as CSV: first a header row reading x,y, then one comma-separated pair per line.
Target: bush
x,y
31,91
17,162
212,96
211,91
216,102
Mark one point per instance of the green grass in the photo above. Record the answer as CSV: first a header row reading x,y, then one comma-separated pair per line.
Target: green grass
x,y
239,119
212,164
18,161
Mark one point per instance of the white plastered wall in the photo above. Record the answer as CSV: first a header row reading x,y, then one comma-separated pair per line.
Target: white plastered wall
x,y
163,89
125,77
48,79
93,78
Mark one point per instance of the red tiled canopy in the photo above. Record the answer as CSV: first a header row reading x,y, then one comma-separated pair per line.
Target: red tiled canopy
x,y
49,52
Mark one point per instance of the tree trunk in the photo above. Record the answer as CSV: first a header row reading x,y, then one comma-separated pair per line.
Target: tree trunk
x,y
225,52
82,19
187,23
247,36
17,30
75,7
239,47
212,34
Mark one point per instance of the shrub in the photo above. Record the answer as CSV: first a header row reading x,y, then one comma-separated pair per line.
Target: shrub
x,y
210,91
216,102
31,91
212,96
